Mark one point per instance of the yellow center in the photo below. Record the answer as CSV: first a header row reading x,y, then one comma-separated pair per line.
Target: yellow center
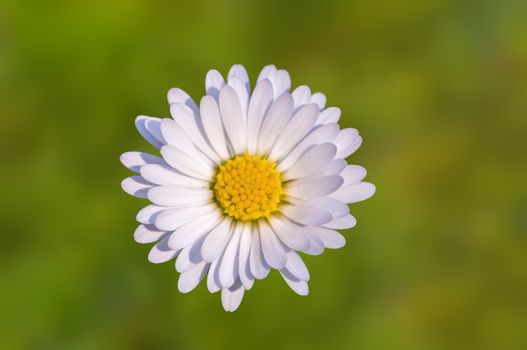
x,y
248,187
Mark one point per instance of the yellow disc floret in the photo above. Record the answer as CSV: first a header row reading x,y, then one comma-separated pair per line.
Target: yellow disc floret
x,y
248,187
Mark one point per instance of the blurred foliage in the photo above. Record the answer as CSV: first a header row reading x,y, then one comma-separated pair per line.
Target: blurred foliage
x,y
438,90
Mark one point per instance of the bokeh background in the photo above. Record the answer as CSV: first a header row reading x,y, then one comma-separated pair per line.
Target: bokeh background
x,y
438,90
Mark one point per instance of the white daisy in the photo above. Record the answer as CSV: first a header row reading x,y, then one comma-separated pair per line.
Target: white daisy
x,y
245,181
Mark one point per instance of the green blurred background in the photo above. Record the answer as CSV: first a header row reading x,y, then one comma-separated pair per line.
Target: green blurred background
x,y
438,90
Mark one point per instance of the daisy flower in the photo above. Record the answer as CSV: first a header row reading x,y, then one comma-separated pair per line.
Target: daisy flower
x,y
245,182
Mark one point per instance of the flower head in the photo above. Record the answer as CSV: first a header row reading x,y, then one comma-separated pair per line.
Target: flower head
x,y
245,181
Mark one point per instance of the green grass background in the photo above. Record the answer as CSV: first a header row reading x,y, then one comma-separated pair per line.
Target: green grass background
x,y
438,90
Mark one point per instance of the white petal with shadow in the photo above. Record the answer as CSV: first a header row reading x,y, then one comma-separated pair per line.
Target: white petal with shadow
x,y
161,252
347,142
135,160
279,114
354,193
190,279
307,215
273,250
136,186
147,234
231,298
329,115
298,127
140,124
313,162
186,163
290,233
233,119
213,125
217,240
229,264
258,106
313,187
172,218
149,214
179,196
259,267
190,123
319,135
319,99
165,175
296,266
193,230
298,286
213,83
342,223
244,267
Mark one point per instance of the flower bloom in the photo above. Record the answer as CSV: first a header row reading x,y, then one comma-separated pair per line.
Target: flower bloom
x,y
245,181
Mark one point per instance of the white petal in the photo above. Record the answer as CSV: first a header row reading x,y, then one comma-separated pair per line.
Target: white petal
x,y
273,250
336,208
211,119
149,214
307,215
259,267
330,238
179,196
165,175
147,234
191,125
239,71
354,193
135,160
189,257
295,265
314,161
175,136
301,96
229,264
185,163
342,223
161,252
320,135
140,124
266,72
190,279
298,127
335,167
232,297
329,115
241,91
316,245
347,142
176,95
193,230
258,106
171,219
213,285
314,187
216,240
319,99
277,117
289,233
244,267
298,286
281,82
136,186
153,125
233,119
213,83
352,174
